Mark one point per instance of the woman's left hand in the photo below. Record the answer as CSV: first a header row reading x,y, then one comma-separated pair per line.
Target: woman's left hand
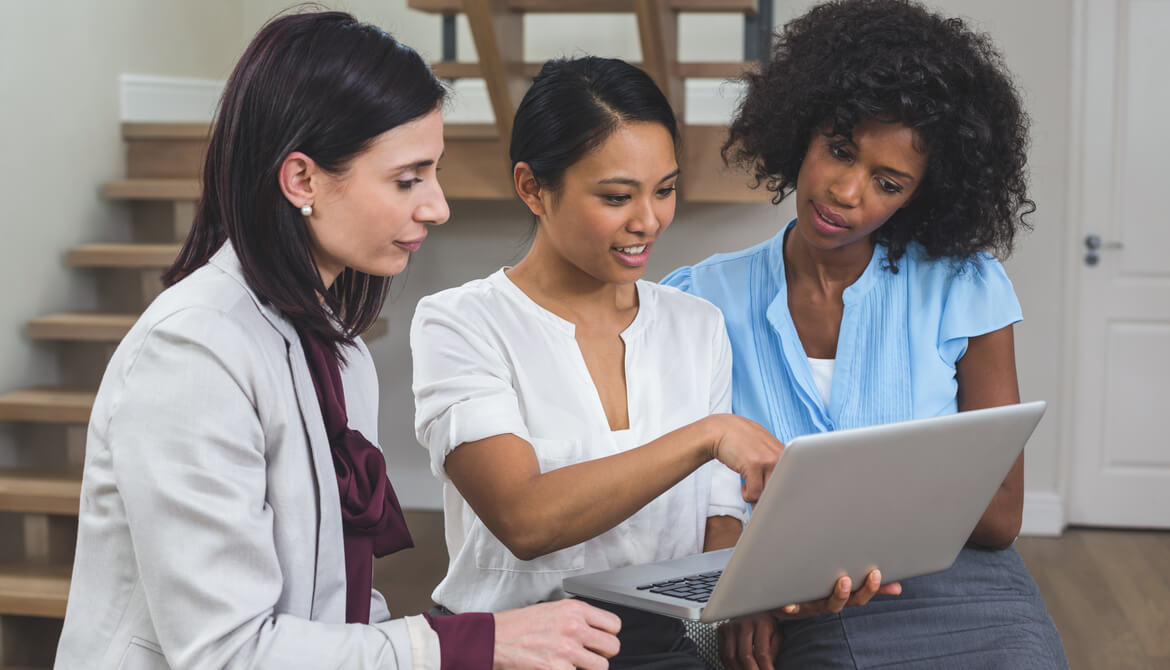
x,y
842,596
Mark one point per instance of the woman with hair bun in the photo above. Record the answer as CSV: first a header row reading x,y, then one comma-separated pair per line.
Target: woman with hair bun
x,y
902,138
234,495
574,412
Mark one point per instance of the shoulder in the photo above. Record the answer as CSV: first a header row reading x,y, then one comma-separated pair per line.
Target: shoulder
x,y
716,266
979,275
477,300
211,311
673,304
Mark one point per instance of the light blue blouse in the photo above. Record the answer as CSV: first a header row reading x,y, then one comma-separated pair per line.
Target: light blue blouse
x,y
900,336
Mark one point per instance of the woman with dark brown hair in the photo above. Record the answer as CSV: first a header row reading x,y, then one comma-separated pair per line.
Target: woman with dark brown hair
x,y
234,495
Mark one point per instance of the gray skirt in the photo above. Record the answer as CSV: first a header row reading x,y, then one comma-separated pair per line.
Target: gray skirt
x,y
985,611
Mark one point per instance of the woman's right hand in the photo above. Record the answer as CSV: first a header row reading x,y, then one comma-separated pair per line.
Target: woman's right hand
x,y
747,448
565,634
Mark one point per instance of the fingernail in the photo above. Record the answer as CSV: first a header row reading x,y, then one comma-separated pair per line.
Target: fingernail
x,y
790,609
875,577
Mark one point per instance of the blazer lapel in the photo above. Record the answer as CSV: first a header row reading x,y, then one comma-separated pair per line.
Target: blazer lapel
x,y
329,580
329,588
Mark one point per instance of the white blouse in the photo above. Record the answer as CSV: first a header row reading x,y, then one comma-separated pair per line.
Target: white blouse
x,y
490,361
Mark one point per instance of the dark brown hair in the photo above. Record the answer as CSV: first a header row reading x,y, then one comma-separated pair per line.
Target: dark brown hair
x,y
574,105
326,85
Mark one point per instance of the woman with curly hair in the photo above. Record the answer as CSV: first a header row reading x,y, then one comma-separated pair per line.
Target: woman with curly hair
x,y
903,139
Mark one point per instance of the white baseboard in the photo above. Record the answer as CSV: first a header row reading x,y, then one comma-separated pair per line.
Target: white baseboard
x,y
1043,514
149,98
708,101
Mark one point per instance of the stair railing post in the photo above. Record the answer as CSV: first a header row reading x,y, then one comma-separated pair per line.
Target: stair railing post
x,y
498,34
658,33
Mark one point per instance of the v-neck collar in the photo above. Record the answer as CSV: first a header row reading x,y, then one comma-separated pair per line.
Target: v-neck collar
x,y
500,280
780,319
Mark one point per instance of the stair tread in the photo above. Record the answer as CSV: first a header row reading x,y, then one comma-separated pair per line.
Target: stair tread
x,y
124,255
197,130
87,326
34,590
39,492
47,405
590,6
152,189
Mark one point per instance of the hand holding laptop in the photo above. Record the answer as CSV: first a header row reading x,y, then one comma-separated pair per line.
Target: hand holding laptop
x,y
756,638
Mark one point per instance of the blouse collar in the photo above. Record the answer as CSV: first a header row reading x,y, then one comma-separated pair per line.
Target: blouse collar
x,y
853,293
500,280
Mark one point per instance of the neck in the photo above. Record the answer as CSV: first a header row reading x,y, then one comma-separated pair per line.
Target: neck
x,y
566,290
832,270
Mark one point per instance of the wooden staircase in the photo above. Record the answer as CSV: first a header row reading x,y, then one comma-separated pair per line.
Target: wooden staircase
x,y
39,496
476,166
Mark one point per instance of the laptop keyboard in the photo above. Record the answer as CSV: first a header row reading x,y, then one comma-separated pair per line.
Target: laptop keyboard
x,y
694,587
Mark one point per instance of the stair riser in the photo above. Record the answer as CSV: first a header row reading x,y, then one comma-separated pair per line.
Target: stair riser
x,y
126,291
162,222
34,641
164,158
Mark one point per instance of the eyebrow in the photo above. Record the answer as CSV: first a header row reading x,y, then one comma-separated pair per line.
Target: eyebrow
x,y
897,173
883,168
418,164
634,182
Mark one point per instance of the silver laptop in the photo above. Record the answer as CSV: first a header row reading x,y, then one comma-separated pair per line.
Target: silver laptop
x,y
902,497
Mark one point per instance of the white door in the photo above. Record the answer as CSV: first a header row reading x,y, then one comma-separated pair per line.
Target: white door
x,y
1120,474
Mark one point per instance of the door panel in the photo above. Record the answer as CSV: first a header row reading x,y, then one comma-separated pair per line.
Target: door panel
x,y
1121,430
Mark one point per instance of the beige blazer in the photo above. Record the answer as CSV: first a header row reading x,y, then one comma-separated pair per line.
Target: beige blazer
x,y
210,527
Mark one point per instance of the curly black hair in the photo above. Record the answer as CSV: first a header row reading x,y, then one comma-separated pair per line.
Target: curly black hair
x,y
892,60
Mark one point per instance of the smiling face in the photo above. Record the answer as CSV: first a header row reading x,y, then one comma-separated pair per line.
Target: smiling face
x,y
375,213
612,205
848,187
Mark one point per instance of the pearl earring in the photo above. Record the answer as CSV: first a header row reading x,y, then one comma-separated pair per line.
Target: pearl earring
x,y
307,210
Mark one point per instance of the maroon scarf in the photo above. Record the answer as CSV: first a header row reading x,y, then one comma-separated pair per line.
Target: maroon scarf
x,y
371,518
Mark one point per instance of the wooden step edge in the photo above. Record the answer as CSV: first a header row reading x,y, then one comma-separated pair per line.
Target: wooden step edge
x,y
81,327
39,492
165,131
687,70
123,255
34,590
152,189
47,405
591,6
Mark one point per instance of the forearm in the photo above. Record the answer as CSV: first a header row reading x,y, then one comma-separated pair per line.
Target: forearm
x,y
543,512
722,532
1000,524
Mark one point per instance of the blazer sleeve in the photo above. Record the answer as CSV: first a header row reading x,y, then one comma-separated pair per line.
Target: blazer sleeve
x,y
189,459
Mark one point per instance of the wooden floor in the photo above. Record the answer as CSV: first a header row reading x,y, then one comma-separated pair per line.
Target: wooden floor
x,y
1108,591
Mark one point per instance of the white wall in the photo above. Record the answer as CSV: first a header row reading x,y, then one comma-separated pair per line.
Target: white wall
x,y
67,74
59,140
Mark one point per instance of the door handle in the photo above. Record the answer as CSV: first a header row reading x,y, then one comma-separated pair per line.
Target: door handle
x,y
1093,244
